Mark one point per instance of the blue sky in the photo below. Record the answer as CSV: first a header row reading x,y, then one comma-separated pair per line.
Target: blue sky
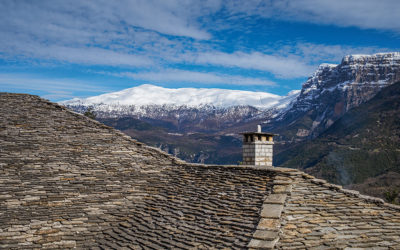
x,y
64,49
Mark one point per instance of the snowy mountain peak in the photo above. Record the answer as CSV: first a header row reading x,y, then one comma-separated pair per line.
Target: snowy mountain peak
x,y
354,69
334,89
381,57
327,66
148,94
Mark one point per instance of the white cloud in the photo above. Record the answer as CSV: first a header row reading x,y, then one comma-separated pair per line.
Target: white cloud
x,y
173,75
99,33
365,14
333,53
54,88
171,17
323,53
280,66
85,55
383,14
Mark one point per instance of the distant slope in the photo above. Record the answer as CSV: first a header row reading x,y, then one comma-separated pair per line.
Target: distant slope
x,y
192,147
363,144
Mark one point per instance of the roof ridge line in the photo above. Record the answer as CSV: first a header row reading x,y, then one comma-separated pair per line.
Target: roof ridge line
x,y
314,180
285,171
268,229
115,131
310,178
349,192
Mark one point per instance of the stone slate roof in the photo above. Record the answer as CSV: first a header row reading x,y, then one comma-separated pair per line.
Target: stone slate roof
x,y
67,181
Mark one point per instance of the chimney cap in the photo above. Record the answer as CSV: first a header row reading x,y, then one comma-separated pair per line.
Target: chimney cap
x,y
258,133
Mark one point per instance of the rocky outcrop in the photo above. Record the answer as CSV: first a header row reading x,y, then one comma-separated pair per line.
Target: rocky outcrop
x,y
334,89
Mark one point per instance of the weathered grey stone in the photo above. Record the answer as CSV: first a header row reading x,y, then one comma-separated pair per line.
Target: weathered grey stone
x,y
320,216
282,189
262,244
271,211
269,224
275,199
265,235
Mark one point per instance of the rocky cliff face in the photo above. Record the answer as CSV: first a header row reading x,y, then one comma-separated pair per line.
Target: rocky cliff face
x,y
333,90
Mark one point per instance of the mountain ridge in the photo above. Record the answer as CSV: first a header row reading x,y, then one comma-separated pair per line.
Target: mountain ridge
x,y
148,95
333,90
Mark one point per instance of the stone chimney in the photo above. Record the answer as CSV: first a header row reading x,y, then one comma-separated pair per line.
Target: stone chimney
x,y
257,148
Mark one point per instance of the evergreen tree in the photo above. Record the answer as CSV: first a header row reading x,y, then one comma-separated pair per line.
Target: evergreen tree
x,y
90,113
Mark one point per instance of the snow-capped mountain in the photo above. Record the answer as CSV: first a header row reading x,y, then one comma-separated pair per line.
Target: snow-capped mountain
x,y
202,108
355,74
150,95
334,89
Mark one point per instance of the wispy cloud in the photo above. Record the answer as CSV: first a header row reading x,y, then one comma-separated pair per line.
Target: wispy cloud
x,y
54,88
331,53
174,75
368,14
80,55
129,33
280,66
175,17
314,54
84,18
365,14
